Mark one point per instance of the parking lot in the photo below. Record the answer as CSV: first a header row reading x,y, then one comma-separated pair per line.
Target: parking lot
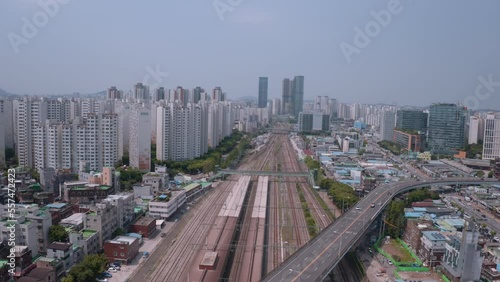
x,y
148,245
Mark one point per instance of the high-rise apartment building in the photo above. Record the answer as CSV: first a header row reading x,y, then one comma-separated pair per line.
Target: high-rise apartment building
x,y
413,120
181,132
123,111
491,142
159,94
141,92
446,133
263,81
197,94
114,93
140,138
476,129
387,123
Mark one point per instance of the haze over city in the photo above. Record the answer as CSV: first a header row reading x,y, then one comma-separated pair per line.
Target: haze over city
x,y
428,52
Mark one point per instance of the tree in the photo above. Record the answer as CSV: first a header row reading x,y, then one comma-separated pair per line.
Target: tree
x,y
57,233
490,174
88,270
117,232
480,173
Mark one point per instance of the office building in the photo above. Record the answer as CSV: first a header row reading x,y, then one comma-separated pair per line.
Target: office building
x,y
298,95
387,122
446,133
263,92
313,121
287,97
410,141
413,120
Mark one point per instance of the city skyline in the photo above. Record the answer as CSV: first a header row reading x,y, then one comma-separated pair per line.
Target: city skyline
x,y
408,61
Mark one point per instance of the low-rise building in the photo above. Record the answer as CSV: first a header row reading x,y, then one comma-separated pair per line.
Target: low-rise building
x,y
53,264
409,140
102,217
39,275
165,205
23,261
124,204
59,211
432,248
121,249
68,253
87,239
192,191
75,221
76,192
413,232
145,226
42,220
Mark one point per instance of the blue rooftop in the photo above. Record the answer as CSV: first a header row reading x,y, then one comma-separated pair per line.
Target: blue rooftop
x,y
420,209
434,235
414,214
56,205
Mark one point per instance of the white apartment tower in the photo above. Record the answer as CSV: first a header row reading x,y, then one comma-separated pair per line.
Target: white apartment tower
x,y
387,124
491,143
476,129
181,132
140,138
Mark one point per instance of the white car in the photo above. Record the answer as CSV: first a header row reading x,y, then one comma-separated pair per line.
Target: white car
x,y
112,269
358,208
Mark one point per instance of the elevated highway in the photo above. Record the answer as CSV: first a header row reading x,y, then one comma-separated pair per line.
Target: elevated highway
x,y
315,260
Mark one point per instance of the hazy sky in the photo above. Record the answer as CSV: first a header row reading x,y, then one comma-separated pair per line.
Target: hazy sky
x,y
429,51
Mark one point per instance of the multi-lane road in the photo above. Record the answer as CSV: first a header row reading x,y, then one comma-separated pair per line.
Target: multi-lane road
x,y
317,258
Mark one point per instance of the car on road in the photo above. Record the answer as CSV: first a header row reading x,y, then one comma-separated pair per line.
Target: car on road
x,y
112,270
145,254
106,275
373,205
358,208
163,235
101,280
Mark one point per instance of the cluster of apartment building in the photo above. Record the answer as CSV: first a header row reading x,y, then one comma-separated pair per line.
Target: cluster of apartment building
x,y
59,133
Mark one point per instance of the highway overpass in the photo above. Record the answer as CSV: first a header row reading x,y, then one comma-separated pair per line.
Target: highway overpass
x,y
315,260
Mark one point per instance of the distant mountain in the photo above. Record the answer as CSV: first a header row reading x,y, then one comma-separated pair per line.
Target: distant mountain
x,y
5,93
248,99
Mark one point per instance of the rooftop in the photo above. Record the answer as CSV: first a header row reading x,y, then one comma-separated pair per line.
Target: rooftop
x,y
145,221
56,205
434,235
87,233
191,186
209,259
60,246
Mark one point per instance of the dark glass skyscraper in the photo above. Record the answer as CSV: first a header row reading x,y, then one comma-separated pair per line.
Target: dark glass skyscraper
x,y
263,92
412,120
446,128
298,95
287,98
